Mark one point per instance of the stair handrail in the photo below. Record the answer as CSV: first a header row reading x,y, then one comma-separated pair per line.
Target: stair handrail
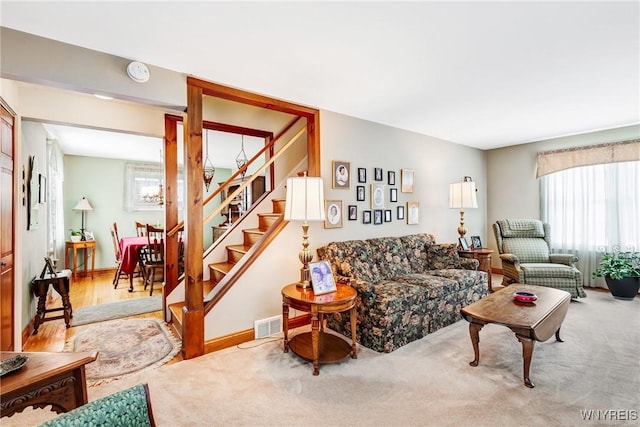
x,y
229,198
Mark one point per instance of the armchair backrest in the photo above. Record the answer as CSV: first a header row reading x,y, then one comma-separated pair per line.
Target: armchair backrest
x,y
528,239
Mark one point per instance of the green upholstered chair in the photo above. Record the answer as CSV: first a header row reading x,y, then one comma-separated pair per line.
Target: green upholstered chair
x,y
130,407
524,247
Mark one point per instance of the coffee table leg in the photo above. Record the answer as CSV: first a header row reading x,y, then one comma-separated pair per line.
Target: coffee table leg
x,y
527,353
558,336
474,332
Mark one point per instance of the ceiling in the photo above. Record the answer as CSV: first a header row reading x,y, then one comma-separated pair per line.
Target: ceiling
x,y
481,74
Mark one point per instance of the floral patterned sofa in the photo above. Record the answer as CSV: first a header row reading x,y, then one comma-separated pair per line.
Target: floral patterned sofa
x,y
407,287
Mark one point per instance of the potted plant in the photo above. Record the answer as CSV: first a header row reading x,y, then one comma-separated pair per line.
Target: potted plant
x,y
621,271
76,235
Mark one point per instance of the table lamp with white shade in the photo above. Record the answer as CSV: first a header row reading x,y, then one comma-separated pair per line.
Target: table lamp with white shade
x,y
462,195
83,206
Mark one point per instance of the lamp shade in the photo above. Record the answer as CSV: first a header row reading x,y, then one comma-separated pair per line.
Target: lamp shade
x,y
83,205
305,199
463,195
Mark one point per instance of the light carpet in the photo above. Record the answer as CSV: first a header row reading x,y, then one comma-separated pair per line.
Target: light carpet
x,y
426,383
116,310
124,347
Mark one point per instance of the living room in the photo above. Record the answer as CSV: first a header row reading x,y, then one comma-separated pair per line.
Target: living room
x,y
505,178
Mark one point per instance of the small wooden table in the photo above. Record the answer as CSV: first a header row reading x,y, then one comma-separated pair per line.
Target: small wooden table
x,y
86,245
531,322
56,379
318,346
40,287
484,256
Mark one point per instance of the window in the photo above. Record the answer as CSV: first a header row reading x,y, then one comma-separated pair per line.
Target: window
x,y
144,187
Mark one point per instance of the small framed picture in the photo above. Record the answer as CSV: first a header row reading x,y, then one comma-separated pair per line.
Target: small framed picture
x,y
377,196
377,217
387,215
322,277
360,193
353,212
414,213
377,174
341,174
362,175
407,181
391,177
400,212
88,235
366,217
463,243
475,242
333,213
393,195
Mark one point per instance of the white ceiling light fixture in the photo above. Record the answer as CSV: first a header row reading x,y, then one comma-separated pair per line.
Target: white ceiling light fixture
x,y
138,72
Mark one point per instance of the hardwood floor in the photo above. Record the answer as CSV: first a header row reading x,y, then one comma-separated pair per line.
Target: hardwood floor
x,y
86,292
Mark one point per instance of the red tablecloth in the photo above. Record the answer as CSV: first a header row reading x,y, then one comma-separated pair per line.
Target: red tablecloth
x,y
130,249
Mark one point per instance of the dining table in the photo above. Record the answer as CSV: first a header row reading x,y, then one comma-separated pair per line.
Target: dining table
x,y
130,249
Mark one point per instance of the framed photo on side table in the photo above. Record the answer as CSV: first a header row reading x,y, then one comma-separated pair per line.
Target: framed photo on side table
x,y
475,242
463,243
322,278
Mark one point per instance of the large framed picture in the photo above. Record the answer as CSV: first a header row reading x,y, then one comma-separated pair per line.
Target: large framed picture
x,y
377,196
322,278
407,181
413,217
341,174
333,213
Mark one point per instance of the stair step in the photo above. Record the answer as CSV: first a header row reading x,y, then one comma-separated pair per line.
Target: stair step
x,y
219,269
266,220
278,205
235,252
252,235
176,317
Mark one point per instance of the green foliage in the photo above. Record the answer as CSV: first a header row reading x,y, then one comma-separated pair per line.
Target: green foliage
x,y
76,232
619,265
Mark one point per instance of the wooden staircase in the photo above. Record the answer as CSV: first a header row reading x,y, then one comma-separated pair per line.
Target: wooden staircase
x,y
235,252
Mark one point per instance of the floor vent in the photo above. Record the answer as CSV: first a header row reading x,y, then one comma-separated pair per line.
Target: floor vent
x,y
265,327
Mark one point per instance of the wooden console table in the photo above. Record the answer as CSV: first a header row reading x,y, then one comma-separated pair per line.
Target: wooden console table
x,y
318,346
484,256
56,379
87,245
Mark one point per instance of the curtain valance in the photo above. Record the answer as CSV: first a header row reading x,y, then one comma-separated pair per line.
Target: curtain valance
x,y
557,160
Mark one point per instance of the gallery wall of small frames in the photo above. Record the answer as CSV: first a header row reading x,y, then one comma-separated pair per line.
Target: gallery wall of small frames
x,y
373,197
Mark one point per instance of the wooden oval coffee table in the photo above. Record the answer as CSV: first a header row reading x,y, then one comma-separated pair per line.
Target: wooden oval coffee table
x,y
318,346
534,321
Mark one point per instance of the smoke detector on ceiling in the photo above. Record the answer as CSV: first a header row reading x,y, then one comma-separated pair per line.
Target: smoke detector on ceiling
x,y
138,72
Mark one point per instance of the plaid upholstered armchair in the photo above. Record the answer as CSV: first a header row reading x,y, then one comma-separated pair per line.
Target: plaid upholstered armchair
x,y
524,247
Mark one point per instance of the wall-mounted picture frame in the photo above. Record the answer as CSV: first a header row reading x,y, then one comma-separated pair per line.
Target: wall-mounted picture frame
x,y
353,212
322,280
413,213
366,217
387,215
391,177
407,178
341,174
333,213
32,194
400,213
377,196
362,175
393,195
42,187
476,243
377,217
377,174
462,242
360,193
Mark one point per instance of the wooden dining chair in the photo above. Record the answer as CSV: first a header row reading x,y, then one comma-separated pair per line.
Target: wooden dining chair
x,y
153,255
115,239
141,229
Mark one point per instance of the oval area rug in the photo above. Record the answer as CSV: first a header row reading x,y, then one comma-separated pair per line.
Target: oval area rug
x,y
124,347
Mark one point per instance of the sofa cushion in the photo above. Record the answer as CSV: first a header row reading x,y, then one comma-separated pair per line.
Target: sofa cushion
x,y
442,256
415,246
437,287
351,258
390,256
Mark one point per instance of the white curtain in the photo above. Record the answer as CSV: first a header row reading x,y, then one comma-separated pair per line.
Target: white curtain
x,y
55,211
592,209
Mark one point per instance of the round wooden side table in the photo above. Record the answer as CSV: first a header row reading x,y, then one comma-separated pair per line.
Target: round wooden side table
x,y
318,346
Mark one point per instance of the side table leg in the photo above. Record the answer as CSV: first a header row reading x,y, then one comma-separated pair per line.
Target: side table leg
x,y
527,353
354,351
315,338
285,326
39,319
474,333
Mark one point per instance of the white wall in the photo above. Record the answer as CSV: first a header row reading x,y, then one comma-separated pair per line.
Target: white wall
x,y
514,190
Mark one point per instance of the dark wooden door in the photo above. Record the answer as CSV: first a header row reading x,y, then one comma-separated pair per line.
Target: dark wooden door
x,y
6,229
